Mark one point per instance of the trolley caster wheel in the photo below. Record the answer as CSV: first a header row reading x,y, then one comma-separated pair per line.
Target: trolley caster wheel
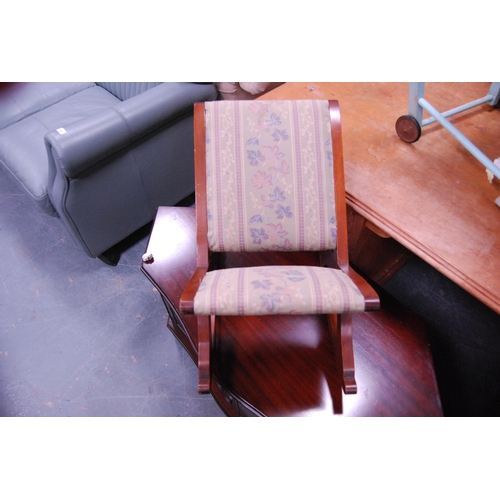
x,y
408,128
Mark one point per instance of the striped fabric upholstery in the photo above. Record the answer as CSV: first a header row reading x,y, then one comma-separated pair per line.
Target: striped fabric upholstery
x,y
270,187
269,176
277,290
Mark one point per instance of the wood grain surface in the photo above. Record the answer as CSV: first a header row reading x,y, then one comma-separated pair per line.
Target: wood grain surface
x,y
431,196
285,366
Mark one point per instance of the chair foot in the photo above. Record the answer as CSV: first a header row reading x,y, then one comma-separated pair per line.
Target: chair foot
x,y
349,385
341,331
204,386
204,375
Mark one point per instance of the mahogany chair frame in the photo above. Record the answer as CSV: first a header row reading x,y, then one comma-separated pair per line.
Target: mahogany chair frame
x,y
340,324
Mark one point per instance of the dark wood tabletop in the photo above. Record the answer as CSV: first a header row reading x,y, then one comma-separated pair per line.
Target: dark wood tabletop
x,y
285,365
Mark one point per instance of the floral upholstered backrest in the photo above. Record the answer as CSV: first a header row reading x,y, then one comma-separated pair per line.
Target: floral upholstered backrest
x,y
269,176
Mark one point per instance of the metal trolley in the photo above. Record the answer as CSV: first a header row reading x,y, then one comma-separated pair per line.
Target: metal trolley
x,y
409,127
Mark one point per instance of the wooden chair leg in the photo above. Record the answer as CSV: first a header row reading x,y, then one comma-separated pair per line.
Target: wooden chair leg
x,y
341,329
204,336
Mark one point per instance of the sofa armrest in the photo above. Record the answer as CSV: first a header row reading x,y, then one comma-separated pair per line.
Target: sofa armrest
x,y
85,142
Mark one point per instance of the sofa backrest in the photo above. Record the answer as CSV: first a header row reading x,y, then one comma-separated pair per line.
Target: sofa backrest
x,y
126,90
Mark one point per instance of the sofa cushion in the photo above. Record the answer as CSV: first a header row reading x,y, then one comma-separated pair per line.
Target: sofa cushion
x,y
19,100
22,147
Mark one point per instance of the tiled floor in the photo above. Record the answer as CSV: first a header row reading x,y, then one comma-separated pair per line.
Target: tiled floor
x,y
80,338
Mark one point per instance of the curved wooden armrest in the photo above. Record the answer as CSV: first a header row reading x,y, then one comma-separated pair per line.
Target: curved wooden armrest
x,y
372,300
186,302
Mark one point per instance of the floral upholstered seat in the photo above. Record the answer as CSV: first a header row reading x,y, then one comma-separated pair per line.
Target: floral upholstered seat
x,y
270,187
269,177
258,291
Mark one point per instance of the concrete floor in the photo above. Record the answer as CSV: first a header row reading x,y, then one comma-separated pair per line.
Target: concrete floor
x,y
78,337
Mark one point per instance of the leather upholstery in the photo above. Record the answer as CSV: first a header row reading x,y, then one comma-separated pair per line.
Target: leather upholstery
x,y
101,157
19,100
126,90
22,147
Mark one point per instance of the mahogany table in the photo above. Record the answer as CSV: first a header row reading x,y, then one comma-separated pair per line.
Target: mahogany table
x,y
286,366
432,197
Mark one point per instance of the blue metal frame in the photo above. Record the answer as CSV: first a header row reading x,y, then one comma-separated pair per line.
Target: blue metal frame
x,y
417,104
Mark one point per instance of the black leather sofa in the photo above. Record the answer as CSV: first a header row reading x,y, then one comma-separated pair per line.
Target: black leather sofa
x,y
100,156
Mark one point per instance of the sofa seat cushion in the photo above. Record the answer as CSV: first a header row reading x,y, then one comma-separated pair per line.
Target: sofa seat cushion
x,y
22,147
19,100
